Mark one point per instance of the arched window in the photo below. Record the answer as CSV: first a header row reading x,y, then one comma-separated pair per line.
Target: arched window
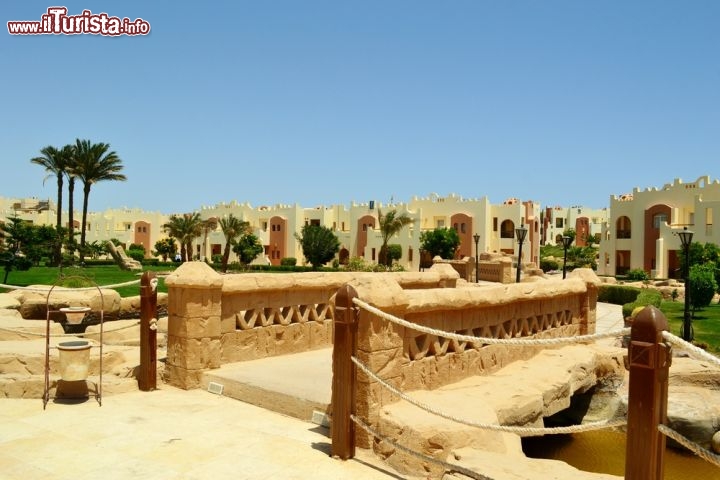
x,y
622,227
507,229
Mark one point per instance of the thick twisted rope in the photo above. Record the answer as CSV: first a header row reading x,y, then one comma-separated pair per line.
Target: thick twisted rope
x,y
46,288
682,344
488,340
690,445
450,467
525,431
24,332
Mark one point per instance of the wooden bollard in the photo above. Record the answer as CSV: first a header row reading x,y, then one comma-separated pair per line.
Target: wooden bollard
x,y
147,375
344,385
649,361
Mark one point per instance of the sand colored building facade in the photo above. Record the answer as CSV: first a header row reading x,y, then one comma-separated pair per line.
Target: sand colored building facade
x,y
641,232
356,226
587,223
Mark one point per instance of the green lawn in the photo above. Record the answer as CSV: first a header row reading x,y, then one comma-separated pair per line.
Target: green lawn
x,y
706,323
101,275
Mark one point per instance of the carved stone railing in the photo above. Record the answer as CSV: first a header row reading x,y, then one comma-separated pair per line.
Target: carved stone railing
x,y
215,319
411,360
499,271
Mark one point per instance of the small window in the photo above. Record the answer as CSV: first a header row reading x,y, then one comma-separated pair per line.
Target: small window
x,y
659,219
462,228
495,224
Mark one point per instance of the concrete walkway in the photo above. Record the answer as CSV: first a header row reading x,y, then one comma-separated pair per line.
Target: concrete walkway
x,y
176,434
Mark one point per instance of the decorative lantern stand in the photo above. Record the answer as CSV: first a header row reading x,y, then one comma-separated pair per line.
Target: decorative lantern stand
x,y
74,355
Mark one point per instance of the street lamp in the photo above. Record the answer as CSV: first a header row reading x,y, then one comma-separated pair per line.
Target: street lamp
x,y
520,233
686,239
476,237
567,241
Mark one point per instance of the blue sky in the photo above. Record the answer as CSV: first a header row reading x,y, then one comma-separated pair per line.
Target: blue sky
x,y
327,102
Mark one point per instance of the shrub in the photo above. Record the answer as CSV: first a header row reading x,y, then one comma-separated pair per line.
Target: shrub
x,y
136,254
637,275
288,261
618,294
702,285
217,258
646,297
548,265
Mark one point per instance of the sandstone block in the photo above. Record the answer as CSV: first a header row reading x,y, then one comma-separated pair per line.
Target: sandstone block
x,y
193,353
193,302
184,378
194,327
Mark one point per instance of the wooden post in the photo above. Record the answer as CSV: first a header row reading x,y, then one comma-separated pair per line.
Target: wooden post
x,y
147,376
342,428
649,362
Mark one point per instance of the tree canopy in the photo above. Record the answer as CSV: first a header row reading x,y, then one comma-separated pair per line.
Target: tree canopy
x,y
319,244
441,242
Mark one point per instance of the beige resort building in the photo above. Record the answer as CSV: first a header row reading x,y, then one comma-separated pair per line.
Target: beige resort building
x,y
356,226
641,232
637,231
586,222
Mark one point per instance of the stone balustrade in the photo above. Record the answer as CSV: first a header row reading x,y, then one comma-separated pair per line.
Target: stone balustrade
x,y
411,360
215,319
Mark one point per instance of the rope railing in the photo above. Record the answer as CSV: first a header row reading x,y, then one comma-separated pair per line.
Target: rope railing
x,y
488,340
526,431
46,288
449,467
690,445
33,334
698,352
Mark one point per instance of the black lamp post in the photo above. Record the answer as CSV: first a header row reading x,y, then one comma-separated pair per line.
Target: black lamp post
x,y
567,241
476,237
520,233
686,239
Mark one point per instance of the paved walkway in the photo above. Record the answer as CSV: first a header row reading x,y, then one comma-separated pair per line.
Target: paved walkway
x,y
167,434
176,434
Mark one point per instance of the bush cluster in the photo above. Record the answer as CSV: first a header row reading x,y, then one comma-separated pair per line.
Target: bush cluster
x,y
548,265
637,275
646,297
618,294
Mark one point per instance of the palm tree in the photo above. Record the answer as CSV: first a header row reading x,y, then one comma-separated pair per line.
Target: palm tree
x,y
184,228
56,161
173,228
95,162
390,225
232,227
70,173
207,225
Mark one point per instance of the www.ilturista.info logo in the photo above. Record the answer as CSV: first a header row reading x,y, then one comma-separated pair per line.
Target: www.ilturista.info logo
x,y
57,22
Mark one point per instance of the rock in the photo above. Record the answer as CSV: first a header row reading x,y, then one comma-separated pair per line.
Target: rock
x,y
8,301
715,442
34,303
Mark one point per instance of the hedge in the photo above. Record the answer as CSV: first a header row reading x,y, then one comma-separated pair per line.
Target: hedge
x,y
618,294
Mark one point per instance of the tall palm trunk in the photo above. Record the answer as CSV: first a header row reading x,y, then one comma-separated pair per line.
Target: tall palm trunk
x,y
226,257
86,197
58,222
71,219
